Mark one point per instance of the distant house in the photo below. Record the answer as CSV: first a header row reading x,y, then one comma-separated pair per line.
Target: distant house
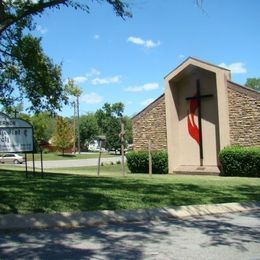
x,y
93,146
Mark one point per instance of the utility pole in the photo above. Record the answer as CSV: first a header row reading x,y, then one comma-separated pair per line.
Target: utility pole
x,y
75,91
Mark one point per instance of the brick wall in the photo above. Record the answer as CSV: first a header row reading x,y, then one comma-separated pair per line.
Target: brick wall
x,y
244,115
151,122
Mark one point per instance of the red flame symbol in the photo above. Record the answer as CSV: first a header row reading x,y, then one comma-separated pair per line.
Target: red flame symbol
x,y
192,127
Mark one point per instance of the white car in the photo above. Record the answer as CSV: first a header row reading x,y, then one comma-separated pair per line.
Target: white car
x,y
11,158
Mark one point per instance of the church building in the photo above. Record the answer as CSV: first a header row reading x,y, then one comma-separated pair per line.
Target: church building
x,y
201,112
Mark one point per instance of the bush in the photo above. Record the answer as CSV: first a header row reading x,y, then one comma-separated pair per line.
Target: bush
x,y
240,161
138,162
45,150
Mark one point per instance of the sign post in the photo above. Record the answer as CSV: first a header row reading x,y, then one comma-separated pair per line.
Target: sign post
x,y
122,139
150,158
100,139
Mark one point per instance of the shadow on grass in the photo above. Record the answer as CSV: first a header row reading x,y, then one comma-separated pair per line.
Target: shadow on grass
x,y
59,193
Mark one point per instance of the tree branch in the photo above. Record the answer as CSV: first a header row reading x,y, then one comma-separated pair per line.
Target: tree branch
x,y
6,53
8,20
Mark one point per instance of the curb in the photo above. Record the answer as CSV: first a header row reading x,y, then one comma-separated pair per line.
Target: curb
x,y
94,218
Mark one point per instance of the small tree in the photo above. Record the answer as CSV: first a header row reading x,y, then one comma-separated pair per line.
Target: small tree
x,y
63,137
128,129
253,83
75,91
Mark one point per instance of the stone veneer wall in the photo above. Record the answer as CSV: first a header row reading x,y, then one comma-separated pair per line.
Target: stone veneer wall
x,y
150,122
244,115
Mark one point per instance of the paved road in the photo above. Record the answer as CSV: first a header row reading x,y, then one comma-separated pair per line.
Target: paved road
x,y
230,236
73,163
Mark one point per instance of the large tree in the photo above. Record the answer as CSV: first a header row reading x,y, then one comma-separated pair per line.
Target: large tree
x,y
88,128
25,70
14,11
43,126
108,119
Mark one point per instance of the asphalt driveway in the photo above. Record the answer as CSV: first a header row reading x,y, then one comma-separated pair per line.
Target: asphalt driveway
x,y
228,236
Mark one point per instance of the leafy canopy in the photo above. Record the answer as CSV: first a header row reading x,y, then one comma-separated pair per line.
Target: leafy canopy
x,y
88,128
253,83
108,119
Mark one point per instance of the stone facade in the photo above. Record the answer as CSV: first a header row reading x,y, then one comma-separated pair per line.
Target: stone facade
x,y
244,115
150,123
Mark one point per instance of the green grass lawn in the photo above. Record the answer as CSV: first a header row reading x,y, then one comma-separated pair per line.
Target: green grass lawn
x,y
59,156
66,190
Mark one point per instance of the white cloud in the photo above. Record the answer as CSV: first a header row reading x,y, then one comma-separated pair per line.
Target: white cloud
x,y
85,77
92,77
91,98
80,79
96,36
181,56
41,30
236,67
145,43
152,44
145,87
147,102
93,73
105,81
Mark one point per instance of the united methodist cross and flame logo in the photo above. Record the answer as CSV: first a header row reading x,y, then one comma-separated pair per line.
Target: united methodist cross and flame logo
x,y
192,127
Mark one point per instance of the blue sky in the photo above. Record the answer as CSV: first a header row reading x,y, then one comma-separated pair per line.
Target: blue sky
x,y
114,60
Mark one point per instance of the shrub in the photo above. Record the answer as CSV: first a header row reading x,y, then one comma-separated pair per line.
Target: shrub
x,y
138,162
45,150
240,161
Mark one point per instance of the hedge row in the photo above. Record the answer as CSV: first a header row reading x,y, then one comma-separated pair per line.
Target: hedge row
x,y
138,161
235,161
240,161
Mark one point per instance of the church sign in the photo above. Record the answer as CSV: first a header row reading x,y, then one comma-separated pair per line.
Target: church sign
x,y
16,135
196,116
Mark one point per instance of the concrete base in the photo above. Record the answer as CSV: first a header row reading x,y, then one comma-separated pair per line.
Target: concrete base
x,y
197,170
